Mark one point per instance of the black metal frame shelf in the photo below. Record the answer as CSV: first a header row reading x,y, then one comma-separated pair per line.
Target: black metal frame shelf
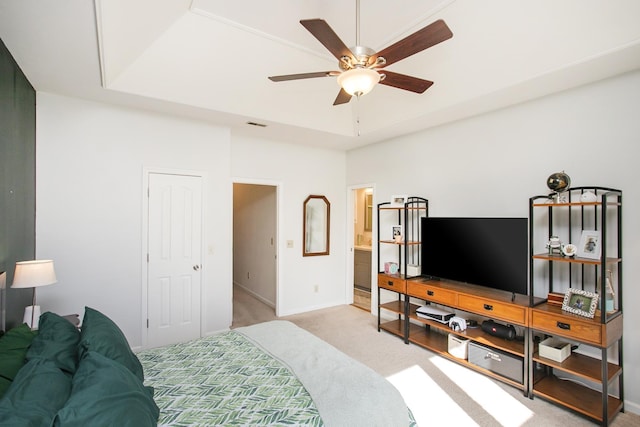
x,y
407,215
569,216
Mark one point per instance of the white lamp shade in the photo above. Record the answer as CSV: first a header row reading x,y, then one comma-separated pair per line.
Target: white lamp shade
x,y
358,81
32,274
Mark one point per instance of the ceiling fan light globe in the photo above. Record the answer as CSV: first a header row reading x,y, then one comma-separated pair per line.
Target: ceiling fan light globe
x,y
358,81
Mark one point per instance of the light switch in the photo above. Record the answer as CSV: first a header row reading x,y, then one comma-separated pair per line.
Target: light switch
x,y
289,243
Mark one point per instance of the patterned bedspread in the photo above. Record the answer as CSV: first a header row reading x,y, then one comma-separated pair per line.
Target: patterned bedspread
x,y
225,380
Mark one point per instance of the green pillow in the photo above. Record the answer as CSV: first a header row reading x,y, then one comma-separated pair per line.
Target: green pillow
x,y
13,349
39,390
57,340
101,335
106,394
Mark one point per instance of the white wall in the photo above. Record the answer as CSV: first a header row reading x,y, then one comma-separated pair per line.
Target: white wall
x,y
89,199
89,219
90,161
299,172
490,165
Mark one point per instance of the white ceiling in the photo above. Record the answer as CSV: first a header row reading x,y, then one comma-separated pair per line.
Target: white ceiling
x,y
209,59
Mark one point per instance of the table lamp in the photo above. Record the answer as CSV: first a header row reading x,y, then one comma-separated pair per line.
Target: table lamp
x,y
32,274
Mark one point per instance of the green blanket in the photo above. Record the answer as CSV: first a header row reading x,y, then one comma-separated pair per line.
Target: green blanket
x,y
272,374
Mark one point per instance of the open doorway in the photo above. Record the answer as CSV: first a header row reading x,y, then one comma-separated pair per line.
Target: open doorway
x,y
362,246
254,253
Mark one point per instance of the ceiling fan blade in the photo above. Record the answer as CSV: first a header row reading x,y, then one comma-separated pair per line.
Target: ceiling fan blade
x,y
325,35
430,35
342,98
402,81
303,76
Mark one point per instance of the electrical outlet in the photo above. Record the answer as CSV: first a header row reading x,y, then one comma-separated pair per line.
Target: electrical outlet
x,y
289,243
316,288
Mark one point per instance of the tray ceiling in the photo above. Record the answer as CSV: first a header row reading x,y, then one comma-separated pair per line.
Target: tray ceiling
x,y
210,59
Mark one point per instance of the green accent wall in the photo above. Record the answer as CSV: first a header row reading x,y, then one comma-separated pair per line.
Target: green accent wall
x,y
17,181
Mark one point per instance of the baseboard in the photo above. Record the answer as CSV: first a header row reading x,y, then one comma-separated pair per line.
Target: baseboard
x,y
631,407
255,295
311,308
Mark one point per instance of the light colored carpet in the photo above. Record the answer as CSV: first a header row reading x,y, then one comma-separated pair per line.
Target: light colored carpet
x,y
438,391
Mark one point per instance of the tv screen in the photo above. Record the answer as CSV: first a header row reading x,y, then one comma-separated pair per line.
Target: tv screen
x,y
491,252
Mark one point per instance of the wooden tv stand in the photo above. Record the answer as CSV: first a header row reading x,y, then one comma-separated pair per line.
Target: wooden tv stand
x,y
469,301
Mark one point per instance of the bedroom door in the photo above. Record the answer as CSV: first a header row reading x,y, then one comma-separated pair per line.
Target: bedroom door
x,y
174,258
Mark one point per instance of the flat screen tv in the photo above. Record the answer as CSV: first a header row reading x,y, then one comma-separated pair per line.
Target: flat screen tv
x,y
490,252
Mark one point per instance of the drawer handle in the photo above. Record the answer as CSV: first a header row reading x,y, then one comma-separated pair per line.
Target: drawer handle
x,y
390,283
488,307
565,326
492,356
430,293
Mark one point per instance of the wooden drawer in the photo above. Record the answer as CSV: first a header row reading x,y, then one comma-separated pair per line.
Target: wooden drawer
x,y
566,326
432,293
493,309
395,284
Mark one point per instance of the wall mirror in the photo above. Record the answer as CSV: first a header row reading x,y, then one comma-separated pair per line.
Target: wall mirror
x,y
315,231
368,211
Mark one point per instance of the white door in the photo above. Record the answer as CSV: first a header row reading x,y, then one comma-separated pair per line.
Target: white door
x,y
174,258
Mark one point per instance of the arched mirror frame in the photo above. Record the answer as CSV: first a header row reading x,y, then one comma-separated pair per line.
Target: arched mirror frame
x,y
312,227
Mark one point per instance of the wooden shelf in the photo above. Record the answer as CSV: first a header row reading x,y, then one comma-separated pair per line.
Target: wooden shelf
x,y
438,343
394,306
400,208
395,327
393,276
402,243
576,397
477,335
583,366
554,204
576,260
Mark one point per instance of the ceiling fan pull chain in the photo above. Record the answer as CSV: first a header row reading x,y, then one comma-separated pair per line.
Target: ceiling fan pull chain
x,y
358,114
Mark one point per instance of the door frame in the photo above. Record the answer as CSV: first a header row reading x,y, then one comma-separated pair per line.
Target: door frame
x,y
279,227
351,212
144,312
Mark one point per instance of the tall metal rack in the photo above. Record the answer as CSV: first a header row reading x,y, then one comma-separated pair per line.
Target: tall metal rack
x,y
405,253
568,216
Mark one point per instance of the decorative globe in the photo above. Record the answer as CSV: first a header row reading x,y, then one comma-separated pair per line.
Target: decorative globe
x,y
558,182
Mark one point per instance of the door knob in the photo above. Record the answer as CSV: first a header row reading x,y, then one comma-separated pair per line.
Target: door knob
x,y
196,267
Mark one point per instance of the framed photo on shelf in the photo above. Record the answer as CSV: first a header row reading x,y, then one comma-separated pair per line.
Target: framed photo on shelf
x,y
399,200
589,246
582,303
396,233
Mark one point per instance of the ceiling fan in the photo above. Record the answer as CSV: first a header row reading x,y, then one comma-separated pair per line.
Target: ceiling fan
x,y
361,67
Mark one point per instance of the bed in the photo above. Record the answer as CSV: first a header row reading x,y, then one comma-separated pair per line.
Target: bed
x,y
273,373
